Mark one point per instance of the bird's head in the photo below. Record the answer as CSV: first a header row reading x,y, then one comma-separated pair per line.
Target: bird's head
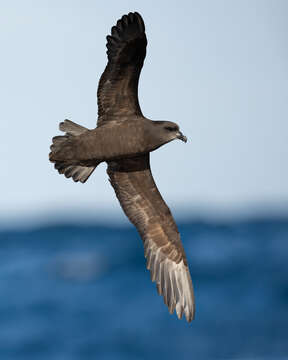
x,y
169,131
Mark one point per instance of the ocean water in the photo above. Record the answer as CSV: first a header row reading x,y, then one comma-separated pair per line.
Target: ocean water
x,y
83,292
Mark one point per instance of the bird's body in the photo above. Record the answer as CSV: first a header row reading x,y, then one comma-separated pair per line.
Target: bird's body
x,y
124,139
96,145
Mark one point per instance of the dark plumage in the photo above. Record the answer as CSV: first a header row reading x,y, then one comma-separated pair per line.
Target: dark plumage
x,y
124,138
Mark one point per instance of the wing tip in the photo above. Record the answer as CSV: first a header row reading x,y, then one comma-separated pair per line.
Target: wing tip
x,y
127,20
128,29
131,17
173,282
121,30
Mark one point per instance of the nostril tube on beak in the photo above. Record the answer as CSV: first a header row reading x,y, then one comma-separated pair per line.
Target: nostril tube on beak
x,y
180,136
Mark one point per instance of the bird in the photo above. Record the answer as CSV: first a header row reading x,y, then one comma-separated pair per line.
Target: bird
x,y
124,138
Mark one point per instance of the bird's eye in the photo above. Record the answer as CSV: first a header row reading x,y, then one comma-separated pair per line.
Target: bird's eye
x,y
170,128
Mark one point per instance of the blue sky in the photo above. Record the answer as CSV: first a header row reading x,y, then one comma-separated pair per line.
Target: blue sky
x,y
218,68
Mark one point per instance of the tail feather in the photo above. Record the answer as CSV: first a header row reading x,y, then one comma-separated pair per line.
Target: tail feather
x,y
71,128
68,168
58,142
77,172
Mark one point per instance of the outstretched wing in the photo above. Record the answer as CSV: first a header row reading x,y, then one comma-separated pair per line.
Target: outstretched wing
x,y
142,203
118,86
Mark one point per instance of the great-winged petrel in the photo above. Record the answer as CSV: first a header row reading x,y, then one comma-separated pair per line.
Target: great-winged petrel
x,y
124,138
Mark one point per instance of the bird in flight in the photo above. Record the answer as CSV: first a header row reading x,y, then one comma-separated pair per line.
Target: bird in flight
x,y
124,139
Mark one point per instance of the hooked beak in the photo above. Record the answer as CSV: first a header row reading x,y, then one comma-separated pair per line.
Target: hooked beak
x,y
180,136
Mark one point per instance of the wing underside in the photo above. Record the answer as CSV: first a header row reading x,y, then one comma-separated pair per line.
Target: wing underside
x,y
142,203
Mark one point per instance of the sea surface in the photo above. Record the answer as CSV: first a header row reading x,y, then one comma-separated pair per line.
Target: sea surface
x,y
82,292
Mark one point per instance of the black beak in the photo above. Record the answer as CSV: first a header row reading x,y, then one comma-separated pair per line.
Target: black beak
x,y
180,136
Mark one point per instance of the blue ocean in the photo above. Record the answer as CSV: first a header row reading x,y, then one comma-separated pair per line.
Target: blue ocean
x,y
73,291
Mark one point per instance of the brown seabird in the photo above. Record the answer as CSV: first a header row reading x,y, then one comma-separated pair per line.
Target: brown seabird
x,y
124,138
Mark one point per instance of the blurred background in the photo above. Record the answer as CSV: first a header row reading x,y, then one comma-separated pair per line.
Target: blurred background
x,y
73,279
